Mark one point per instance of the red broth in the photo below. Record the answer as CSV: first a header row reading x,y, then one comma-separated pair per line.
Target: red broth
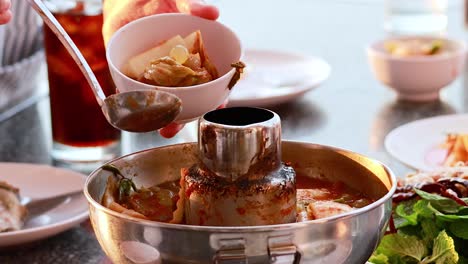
x,y
337,191
316,198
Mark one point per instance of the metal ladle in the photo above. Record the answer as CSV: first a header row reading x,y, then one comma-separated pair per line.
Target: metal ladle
x,y
135,111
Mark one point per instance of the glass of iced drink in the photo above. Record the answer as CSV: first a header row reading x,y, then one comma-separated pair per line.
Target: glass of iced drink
x,y
416,17
81,135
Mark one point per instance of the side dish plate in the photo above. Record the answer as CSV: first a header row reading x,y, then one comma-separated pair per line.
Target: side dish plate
x,y
418,144
275,77
41,181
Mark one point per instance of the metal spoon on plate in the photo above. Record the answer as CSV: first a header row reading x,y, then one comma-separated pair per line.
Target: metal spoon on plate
x,y
39,206
135,111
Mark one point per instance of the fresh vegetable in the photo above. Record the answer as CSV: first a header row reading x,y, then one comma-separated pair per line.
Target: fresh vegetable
x,y
429,228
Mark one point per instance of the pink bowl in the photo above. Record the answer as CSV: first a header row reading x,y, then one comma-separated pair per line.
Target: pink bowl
x,y
222,46
417,78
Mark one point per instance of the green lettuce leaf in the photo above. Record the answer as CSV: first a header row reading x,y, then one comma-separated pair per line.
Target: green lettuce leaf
x,y
399,221
410,212
379,259
443,251
429,231
404,246
406,212
442,204
446,217
452,218
421,207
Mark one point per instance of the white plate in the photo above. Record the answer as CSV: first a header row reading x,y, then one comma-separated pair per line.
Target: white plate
x,y
275,77
40,181
417,144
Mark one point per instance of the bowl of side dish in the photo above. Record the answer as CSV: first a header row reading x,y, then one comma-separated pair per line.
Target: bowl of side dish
x,y
187,56
417,68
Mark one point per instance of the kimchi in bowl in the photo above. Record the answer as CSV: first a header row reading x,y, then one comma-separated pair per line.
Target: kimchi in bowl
x,y
221,46
349,237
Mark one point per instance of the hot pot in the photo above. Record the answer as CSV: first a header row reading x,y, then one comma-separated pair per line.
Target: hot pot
x,y
346,238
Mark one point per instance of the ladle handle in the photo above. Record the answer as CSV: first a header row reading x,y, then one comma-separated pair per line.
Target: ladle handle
x,y
62,35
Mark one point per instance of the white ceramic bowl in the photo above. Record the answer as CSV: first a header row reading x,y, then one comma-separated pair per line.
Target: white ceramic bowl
x,y
417,78
222,46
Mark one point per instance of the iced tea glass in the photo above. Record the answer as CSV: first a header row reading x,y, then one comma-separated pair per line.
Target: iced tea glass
x,y
80,132
416,17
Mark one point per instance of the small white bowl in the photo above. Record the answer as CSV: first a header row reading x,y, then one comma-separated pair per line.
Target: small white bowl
x,y
417,78
222,45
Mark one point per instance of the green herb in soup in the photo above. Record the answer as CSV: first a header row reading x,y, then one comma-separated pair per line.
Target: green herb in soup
x,y
157,203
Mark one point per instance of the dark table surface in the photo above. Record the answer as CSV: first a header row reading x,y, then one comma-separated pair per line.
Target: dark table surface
x,y
351,110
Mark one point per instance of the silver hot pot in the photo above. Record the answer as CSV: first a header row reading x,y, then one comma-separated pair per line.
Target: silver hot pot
x,y
347,238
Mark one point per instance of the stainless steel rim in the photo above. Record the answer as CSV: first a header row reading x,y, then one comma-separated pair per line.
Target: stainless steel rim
x,y
374,205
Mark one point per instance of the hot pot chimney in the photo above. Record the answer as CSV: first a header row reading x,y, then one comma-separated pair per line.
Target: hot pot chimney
x,y
240,179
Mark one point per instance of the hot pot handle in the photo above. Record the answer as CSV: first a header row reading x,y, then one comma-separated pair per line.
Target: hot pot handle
x,y
280,251
231,250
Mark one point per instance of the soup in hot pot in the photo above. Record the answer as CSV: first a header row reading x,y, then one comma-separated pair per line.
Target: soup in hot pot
x,y
315,198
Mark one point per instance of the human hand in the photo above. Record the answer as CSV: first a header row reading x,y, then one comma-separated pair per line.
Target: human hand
x,y
118,13
5,12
